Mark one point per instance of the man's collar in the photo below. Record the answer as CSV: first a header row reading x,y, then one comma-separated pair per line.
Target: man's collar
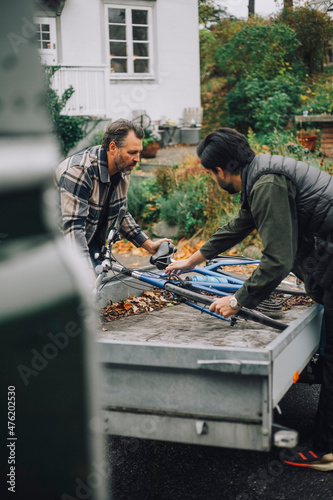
x,y
244,174
103,165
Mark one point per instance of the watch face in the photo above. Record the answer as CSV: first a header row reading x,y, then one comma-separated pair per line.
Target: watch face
x,y
233,302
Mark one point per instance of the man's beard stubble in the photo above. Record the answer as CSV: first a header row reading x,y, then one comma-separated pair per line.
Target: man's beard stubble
x,y
121,166
226,186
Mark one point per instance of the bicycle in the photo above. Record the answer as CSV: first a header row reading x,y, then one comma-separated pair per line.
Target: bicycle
x,y
192,293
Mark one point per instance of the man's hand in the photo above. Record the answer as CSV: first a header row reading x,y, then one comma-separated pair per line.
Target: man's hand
x,y
222,307
180,266
153,246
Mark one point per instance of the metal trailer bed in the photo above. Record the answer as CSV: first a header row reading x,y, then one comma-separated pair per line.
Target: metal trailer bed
x,y
178,375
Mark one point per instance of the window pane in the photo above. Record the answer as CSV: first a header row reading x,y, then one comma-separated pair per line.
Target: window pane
x,y
118,65
117,32
141,49
141,66
139,16
45,27
140,33
45,36
46,45
117,16
118,49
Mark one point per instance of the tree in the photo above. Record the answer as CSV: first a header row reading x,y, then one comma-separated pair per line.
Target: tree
x,y
287,4
314,29
323,5
251,7
262,67
210,13
260,49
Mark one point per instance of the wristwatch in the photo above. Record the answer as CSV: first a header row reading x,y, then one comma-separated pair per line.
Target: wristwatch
x,y
234,304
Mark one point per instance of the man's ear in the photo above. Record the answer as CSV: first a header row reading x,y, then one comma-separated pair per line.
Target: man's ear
x,y
113,148
220,172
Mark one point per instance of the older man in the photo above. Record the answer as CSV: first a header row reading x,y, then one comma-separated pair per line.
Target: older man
x,y
93,187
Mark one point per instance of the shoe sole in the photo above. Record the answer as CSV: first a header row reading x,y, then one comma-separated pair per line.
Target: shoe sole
x,y
324,467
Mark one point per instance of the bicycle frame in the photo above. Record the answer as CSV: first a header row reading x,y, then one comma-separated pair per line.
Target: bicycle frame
x,y
179,288
189,296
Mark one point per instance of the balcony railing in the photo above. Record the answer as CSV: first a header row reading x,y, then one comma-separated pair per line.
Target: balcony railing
x,y
89,83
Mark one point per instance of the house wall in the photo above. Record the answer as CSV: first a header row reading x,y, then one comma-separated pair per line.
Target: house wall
x,y
81,32
176,54
175,84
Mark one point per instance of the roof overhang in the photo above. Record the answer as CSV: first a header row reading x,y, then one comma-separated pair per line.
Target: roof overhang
x,y
50,8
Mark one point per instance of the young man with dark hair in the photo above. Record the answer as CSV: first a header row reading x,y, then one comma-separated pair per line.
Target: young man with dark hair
x,y
290,203
93,187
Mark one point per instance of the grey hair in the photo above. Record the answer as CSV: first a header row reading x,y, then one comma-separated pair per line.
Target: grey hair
x,y
117,132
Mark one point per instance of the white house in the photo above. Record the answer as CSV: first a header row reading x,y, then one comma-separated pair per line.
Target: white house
x,y
123,55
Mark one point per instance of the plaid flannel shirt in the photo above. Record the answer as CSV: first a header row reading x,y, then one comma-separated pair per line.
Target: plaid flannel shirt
x,y
83,181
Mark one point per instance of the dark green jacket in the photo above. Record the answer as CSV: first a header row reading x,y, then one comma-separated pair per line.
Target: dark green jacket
x,y
291,205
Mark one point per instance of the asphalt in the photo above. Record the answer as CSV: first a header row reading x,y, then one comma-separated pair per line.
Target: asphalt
x,y
152,470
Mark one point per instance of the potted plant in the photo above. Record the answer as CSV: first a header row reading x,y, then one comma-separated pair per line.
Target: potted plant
x,y
308,138
150,143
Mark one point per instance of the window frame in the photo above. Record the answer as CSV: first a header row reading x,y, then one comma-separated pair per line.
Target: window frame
x,y
130,74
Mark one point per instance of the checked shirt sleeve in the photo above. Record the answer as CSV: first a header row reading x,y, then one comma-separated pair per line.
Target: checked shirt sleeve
x,y
132,231
75,188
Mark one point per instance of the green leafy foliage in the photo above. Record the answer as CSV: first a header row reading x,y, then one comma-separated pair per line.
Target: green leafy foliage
x,y
262,104
143,202
185,205
317,95
259,50
314,30
184,196
68,129
210,12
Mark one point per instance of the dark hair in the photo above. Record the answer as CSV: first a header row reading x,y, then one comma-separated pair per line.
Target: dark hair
x,y
225,148
117,132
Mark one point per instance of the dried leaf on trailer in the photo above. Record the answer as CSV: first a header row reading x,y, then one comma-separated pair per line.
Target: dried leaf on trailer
x,y
148,301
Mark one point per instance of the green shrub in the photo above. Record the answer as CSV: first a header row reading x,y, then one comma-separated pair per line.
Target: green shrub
x,y
262,104
314,30
68,129
142,198
261,51
185,206
317,95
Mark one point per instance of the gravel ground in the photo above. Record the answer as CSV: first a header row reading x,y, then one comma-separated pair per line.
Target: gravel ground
x,y
171,154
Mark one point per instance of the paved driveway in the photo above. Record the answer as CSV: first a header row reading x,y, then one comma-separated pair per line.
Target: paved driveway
x,y
141,469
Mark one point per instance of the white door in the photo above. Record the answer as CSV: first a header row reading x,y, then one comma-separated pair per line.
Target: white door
x,y
47,40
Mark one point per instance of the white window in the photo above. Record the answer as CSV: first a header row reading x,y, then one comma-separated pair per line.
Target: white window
x,y
46,39
130,41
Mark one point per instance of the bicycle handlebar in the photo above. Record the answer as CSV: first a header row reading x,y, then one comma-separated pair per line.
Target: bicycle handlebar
x,y
160,259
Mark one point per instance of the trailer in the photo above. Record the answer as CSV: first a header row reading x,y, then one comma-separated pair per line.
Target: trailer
x,y
181,376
